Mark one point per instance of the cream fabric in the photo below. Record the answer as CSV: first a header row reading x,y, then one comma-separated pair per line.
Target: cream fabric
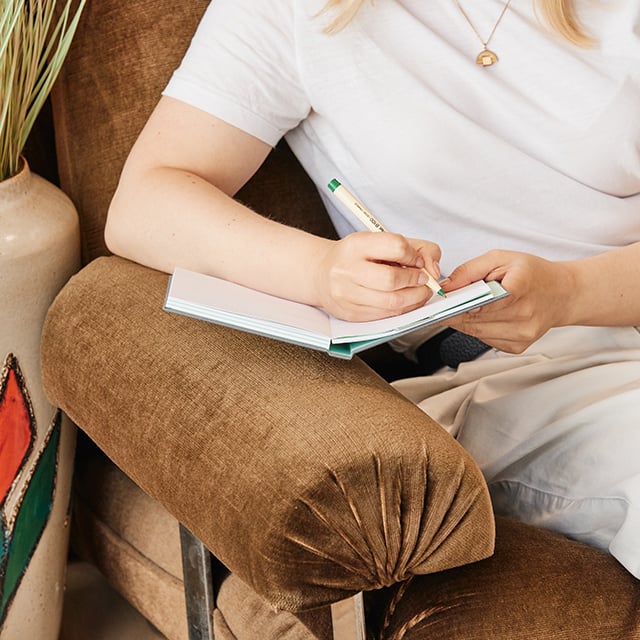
x,y
556,432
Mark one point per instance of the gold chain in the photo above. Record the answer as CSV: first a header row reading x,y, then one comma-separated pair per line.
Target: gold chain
x,y
486,57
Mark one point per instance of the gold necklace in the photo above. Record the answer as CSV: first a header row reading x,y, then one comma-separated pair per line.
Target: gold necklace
x,y
486,57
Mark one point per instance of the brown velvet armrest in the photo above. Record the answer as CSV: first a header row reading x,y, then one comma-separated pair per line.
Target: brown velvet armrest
x,y
309,477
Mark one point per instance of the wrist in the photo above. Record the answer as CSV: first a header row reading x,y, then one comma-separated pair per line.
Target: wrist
x,y
316,269
585,285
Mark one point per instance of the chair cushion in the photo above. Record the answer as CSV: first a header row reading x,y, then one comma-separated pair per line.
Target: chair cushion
x,y
308,476
537,586
131,539
533,588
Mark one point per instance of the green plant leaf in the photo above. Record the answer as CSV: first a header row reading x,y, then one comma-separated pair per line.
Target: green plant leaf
x,y
32,50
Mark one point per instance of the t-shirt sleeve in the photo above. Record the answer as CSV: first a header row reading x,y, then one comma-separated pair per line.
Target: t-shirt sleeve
x,y
241,67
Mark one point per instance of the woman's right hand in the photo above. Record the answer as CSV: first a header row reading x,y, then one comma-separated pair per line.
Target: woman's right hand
x,y
367,276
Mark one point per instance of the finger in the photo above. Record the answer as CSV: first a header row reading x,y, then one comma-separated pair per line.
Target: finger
x,y
503,335
391,248
366,304
388,277
489,266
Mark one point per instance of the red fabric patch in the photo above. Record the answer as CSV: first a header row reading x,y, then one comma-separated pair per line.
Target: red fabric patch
x,y
15,430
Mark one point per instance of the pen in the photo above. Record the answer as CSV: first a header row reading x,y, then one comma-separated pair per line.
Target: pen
x,y
369,220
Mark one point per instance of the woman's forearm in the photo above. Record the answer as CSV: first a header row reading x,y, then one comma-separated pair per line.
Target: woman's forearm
x,y
607,289
165,217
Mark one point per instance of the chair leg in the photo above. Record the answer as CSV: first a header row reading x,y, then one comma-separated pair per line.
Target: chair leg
x,y
198,586
347,617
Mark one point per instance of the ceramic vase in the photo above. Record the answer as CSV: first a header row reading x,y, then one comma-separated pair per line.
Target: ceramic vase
x,y
39,251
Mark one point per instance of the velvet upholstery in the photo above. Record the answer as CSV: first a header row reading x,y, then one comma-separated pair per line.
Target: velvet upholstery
x,y
533,587
334,481
537,586
310,478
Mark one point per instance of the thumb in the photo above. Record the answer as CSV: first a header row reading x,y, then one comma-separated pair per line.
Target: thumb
x,y
468,272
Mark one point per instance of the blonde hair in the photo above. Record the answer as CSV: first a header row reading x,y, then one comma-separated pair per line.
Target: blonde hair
x,y
560,15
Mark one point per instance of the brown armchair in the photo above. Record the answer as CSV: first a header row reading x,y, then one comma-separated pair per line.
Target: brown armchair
x,y
309,479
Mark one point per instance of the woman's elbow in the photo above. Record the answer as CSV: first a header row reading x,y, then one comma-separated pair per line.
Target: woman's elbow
x,y
115,233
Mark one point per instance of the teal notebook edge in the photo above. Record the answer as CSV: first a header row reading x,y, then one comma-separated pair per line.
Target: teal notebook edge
x,y
347,350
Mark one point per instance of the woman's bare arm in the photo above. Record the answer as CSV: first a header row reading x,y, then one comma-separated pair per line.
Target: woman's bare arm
x,y
174,206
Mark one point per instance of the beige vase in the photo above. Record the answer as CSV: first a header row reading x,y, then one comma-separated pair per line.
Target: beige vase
x,y
39,251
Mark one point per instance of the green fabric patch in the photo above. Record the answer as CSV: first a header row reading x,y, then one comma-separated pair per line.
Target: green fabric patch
x,y
31,519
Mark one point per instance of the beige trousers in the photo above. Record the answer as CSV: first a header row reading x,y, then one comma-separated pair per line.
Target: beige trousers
x,y
556,431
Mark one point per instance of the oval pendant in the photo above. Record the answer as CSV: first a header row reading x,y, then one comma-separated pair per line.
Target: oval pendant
x,y
486,58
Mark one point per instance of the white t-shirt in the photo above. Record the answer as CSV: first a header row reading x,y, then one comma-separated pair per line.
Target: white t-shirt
x,y
539,152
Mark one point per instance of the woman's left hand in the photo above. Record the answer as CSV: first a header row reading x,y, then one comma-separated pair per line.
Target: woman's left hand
x,y
539,296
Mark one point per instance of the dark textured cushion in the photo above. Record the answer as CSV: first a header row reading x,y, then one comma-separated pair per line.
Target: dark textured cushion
x,y
537,586
309,476
131,539
533,588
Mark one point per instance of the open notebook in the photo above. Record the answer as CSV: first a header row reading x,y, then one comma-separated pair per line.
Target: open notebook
x,y
233,305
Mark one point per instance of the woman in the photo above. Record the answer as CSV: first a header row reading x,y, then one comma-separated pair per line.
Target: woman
x,y
498,140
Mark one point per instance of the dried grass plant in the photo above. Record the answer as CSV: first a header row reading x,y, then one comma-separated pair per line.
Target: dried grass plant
x,y
34,39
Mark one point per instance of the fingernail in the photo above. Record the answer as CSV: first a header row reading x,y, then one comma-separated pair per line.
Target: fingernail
x,y
423,278
420,263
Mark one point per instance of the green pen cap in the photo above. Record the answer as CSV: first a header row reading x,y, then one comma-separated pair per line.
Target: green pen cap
x,y
334,184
